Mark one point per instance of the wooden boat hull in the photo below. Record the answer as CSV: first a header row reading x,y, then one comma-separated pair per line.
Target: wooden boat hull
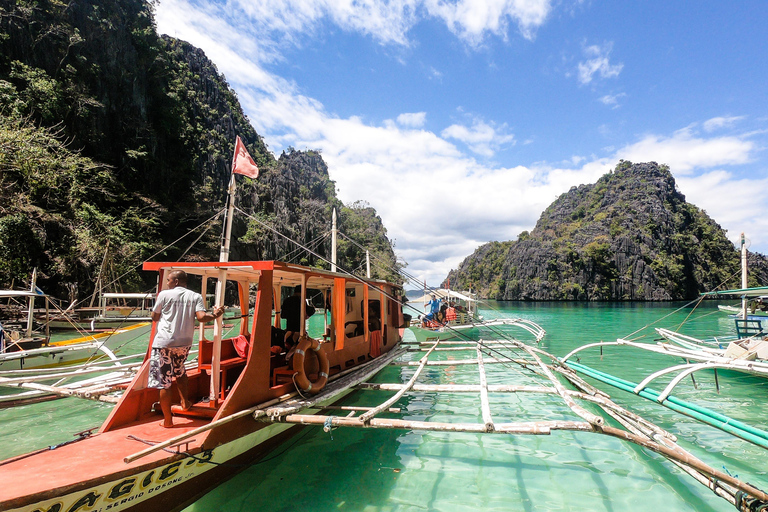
x,y
167,484
219,435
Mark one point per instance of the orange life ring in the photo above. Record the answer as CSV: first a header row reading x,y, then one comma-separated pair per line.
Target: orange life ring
x,y
302,381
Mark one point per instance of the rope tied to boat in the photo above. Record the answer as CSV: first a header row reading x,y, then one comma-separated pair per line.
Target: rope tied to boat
x,y
328,426
747,504
184,453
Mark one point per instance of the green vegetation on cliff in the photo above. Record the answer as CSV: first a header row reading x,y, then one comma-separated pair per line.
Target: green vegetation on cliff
x,y
111,134
630,236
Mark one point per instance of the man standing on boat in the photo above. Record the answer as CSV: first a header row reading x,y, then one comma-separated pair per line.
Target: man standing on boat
x,y
434,308
175,311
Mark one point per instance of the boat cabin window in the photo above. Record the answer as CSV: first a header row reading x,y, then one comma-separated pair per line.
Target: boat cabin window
x,y
374,315
353,319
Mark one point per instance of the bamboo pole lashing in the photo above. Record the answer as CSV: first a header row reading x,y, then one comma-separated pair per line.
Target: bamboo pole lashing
x,y
580,411
341,381
600,399
484,405
457,362
526,428
370,414
126,368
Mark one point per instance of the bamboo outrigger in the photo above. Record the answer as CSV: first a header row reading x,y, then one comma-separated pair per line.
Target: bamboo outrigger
x,y
509,354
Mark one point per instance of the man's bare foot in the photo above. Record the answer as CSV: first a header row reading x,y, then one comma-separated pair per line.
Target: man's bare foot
x,y
166,424
186,404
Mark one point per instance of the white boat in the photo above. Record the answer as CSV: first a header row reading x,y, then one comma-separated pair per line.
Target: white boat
x,y
22,353
114,310
22,349
461,320
756,309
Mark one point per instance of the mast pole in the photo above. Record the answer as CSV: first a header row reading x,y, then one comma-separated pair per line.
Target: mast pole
x,y
367,264
744,274
219,299
334,233
31,302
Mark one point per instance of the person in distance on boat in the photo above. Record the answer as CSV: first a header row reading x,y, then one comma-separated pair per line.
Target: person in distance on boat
x,y
434,308
291,311
175,311
441,314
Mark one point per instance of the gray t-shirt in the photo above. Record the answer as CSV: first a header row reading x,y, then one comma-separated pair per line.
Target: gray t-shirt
x,y
177,308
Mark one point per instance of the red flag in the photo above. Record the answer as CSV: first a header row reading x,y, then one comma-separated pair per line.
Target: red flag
x,y
242,163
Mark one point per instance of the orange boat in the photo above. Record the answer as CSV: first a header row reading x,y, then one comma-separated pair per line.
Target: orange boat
x,y
133,463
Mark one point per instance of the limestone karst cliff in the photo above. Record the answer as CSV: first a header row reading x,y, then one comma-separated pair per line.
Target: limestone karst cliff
x,y
630,236
113,134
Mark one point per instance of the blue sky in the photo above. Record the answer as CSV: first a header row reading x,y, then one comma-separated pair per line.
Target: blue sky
x,y
461,121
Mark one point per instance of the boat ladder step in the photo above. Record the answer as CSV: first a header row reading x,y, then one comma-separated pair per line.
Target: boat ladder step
x,y
200,410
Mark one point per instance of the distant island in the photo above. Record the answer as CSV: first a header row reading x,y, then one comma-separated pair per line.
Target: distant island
x,y
630,236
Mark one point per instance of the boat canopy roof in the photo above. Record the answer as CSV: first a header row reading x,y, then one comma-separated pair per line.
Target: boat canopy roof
x,y
443,293
740,292
129,295
286,274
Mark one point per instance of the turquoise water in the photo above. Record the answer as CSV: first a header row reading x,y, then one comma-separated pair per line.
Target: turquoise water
x,y
377,470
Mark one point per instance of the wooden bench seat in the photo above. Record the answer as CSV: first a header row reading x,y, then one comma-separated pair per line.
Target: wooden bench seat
x,y
224,365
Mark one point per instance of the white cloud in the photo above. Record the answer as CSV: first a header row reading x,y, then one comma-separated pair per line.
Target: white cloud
x,y
716,123
472,19
684,152
387,22
737,204
482,138
598,63
612,100
274,23
412,120
436,200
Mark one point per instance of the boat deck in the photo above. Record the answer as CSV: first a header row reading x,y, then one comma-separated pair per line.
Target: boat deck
x,y
90,458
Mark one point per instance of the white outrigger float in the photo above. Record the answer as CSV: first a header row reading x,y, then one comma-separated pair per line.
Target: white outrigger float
x,y
26,350
747,352
115,310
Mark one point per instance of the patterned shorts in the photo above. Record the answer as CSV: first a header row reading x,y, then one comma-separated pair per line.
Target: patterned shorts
x,y
165,364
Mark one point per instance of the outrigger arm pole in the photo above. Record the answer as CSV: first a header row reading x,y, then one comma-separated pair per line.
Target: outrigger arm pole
x,y
743,274
31,303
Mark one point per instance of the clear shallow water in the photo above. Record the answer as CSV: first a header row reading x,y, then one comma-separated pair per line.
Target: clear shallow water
x,y
376,470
